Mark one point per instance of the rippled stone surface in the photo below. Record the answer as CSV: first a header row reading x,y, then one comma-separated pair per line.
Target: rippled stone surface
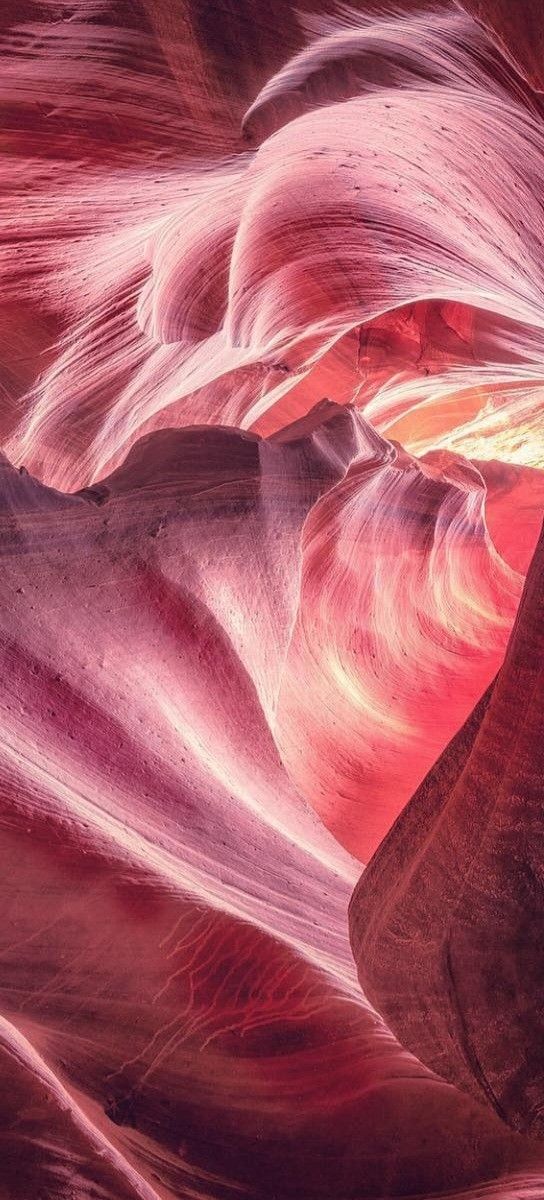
x,y
271,399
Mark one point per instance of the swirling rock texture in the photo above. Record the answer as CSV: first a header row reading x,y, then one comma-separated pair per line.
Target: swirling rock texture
x,y
271,421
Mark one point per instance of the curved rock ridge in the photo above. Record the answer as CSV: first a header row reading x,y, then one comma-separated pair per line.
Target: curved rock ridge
x,y
191,268
357,585
446,921
404,612
180,1013
271,480
266,544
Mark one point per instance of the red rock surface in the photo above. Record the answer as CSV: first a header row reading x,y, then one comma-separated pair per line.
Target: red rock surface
x,y
179,1004
271,381
518,30
457,884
